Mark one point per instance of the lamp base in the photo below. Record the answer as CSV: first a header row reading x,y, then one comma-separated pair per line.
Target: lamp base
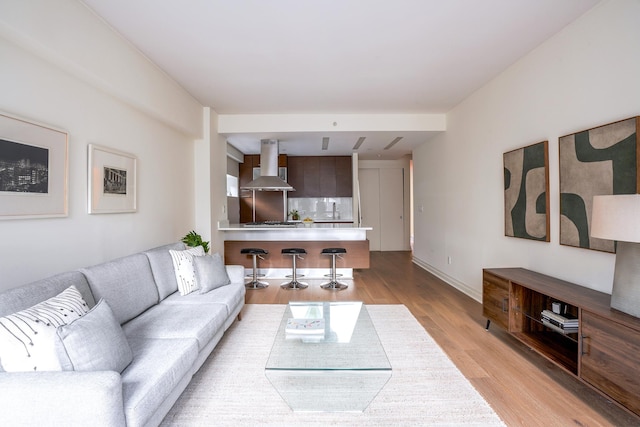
x,y
625,295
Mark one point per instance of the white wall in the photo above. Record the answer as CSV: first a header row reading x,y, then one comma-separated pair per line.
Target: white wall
x,y
585,76
42,80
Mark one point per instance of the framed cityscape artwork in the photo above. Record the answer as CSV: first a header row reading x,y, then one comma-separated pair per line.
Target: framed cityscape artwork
x,y
112,181
33,169
598,161
526,192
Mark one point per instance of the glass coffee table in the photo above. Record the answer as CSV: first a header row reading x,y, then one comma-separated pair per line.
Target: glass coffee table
x,y
332,361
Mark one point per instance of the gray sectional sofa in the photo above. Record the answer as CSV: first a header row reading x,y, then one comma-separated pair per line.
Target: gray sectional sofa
x,y
170,337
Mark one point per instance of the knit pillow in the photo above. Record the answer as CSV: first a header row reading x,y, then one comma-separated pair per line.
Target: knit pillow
x,y
27,338
184,268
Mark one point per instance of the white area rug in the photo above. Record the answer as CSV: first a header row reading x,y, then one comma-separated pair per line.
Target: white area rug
x,y
426,388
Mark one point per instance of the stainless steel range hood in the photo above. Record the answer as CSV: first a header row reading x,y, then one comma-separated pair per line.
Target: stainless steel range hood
x,y
268,179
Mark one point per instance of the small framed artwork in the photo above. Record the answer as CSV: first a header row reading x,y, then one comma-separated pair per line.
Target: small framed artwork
x,y
33,169
112,181
526,192
597,161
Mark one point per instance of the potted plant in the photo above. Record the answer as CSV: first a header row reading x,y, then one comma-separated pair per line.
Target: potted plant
x,y
294,215
193,239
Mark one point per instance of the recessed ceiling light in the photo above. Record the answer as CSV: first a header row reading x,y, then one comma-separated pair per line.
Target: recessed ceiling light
x,y
325,143
359,142
392,143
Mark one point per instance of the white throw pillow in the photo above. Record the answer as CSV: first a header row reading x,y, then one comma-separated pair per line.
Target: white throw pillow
x,y
27,338
94,342
210,272
184,268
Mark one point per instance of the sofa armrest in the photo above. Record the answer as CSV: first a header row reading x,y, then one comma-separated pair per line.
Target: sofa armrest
x,y
236,273
61,398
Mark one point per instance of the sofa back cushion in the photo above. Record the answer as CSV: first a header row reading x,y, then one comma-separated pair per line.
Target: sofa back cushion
x,y
126,283
33,293
162,268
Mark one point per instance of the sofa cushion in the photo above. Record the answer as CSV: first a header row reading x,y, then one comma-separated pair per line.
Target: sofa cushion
x,y
201,322
210,272
26,296
27,338
94,342
229,296
162,268
184,268
158,367
125,283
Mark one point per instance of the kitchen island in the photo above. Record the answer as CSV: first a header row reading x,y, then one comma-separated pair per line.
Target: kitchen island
x,y
313,238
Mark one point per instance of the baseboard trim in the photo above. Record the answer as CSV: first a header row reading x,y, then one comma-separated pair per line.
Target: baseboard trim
x,y
462,287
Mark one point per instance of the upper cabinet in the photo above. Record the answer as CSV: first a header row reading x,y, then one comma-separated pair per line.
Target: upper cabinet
x,y
325,176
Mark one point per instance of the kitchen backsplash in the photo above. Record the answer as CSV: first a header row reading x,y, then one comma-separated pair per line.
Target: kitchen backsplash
x,y
322,208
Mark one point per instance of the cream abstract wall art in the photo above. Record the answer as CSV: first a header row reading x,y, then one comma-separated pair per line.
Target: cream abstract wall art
x,y
598,161
526,192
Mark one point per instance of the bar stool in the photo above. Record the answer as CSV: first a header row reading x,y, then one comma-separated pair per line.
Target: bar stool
x,y
333,284
294,253
255,253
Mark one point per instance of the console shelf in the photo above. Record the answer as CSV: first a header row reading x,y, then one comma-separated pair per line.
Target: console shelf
x,y
601,353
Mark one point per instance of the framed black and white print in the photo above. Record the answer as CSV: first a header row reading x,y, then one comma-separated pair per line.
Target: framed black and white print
x,y
112,181
526,192
598,161
33,169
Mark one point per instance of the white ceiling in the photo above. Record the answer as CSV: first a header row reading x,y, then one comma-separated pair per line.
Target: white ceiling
x,y
335,56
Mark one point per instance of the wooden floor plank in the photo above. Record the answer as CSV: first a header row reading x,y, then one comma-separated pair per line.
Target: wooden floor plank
x,y
523,388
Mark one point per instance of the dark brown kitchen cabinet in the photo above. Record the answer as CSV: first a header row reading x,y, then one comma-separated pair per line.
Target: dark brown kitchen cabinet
x,y
295,176
327,176
321,176
344,177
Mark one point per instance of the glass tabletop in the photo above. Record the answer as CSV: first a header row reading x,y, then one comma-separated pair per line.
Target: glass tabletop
x,y
334,336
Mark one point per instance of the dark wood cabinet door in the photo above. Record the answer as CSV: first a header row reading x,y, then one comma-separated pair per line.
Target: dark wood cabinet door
x,y
327,176
610,360
495,299
311,175
344,177
295,172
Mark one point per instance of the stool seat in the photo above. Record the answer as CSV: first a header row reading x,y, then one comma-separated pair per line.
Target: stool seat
x,y
255,253
333,284
252,251
295,253
327,251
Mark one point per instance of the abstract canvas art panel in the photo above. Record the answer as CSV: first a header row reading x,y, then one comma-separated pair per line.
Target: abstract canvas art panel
x,y
526,192
598,161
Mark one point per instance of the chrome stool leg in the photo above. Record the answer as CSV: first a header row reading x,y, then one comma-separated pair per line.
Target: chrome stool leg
x,y
333,284
294,283
255,283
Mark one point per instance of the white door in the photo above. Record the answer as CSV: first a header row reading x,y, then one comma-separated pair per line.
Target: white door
x,y
382,201
370,204
392,235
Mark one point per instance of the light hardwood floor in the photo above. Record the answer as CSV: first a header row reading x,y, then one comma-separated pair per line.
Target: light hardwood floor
x,y
522,387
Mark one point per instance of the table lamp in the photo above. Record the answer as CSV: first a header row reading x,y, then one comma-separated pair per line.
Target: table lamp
x,y
617,217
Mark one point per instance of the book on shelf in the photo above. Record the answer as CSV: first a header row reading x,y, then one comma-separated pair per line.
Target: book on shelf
x,y
304,326
559,323
562,330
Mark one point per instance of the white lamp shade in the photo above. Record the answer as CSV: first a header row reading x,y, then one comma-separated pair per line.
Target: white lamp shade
x,y
616,217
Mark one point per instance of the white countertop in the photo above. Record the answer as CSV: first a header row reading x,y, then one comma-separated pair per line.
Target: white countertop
x,y
299,226
316,231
